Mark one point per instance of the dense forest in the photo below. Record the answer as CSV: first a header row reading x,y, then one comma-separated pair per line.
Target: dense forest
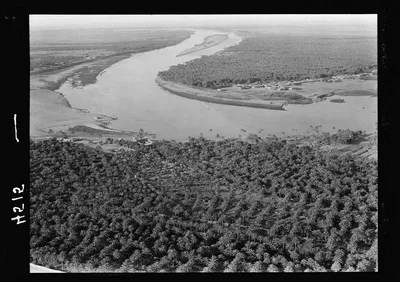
x,y
268,58
201,205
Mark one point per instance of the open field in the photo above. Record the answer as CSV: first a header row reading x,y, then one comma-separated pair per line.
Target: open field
x,y
209,41
357,93
346,87
289,96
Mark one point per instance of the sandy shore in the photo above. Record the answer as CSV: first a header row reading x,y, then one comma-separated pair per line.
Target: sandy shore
x,y
209,96
50,112
208,42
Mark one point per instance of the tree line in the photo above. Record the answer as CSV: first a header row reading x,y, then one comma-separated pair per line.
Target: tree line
x,y
267,58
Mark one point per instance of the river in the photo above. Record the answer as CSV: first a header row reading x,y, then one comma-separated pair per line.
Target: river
x,y
127,90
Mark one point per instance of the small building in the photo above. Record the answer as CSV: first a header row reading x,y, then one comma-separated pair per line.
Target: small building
x,y
141,140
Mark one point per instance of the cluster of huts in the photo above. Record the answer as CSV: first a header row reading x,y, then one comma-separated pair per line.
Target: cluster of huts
x,y
105,117
142,140
279,86
292,85
72,139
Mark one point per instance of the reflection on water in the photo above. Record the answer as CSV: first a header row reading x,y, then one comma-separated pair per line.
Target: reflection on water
x,y
127,90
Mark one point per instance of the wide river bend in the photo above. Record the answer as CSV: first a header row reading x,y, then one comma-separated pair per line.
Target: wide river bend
x,y
127,90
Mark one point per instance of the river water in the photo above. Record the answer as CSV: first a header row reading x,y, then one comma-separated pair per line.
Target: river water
x,y
127,90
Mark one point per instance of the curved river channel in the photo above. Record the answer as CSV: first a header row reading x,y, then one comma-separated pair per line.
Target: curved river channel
x,y
127,90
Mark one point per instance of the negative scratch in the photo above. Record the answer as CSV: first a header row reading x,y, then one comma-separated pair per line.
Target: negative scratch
x,y
15,126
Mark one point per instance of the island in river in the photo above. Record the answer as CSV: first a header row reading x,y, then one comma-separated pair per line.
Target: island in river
x,y
208,42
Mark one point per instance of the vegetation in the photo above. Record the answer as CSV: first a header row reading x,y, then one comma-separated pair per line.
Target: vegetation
x,y
343,136
202,205
67,49
337,101
268,58
90,130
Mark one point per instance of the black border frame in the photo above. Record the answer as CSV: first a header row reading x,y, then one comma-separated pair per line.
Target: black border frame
x,y
17,102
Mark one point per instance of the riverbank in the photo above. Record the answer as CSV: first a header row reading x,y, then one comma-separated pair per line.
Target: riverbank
x,y
51,113
207,96
80,74
208,42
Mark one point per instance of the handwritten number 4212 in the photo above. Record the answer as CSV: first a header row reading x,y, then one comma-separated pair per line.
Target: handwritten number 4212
x,y
18,209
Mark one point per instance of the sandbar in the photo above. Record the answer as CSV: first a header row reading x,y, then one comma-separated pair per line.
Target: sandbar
x,y
208,42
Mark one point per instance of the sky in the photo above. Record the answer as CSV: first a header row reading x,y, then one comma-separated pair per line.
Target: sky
x,y
54,22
